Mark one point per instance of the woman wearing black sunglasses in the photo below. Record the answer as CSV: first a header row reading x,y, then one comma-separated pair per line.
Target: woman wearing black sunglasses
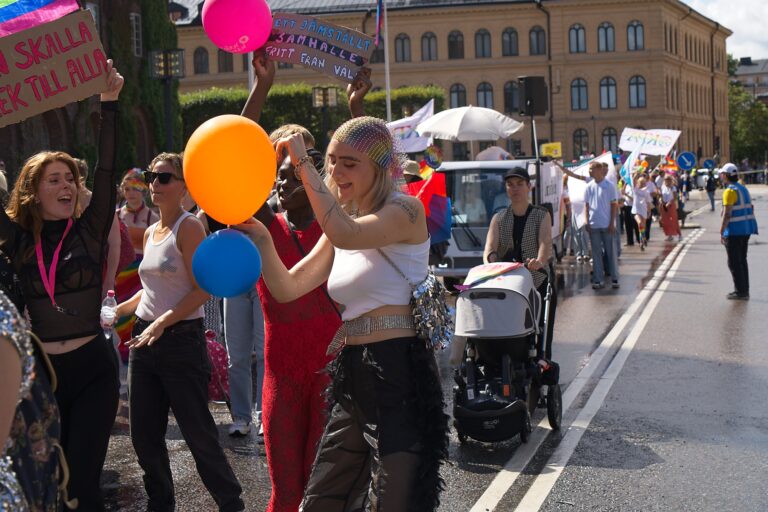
x,y
59,260
168,365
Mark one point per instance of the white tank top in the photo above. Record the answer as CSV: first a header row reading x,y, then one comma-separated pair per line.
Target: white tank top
x,y
164,276
363,280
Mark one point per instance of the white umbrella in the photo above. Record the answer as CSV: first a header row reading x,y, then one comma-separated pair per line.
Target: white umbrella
x,y
469,123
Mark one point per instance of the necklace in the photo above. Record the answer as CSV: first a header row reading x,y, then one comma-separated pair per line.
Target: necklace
x,y
135,212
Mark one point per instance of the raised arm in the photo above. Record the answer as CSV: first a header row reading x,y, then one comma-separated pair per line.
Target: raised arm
x,y
265,76
287,285
401,220
97,218
357,90
568,172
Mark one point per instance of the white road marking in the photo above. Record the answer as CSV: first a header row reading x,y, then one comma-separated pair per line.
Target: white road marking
x,y
543,484
524,453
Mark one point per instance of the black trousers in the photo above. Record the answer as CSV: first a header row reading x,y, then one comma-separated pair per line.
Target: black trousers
x,y
630,225
736,248
87,393
386,435
173,373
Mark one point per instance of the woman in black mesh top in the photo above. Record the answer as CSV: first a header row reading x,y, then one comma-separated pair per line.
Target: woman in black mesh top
x,y
59,260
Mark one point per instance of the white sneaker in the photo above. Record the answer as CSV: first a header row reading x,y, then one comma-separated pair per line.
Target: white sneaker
x,y
239,428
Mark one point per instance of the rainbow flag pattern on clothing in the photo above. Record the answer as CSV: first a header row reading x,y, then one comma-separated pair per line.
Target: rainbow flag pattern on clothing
x,y
483,273
127,284
18,15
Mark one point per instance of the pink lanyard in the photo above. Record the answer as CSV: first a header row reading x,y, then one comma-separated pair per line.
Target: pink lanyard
x,y
49,279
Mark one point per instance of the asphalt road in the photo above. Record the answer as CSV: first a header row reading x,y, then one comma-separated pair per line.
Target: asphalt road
x,y
682,426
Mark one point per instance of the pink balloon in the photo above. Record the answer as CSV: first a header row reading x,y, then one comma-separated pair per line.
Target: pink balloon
x,y
237,26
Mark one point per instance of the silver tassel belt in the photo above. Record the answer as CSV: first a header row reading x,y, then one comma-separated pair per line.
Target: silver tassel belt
x,y
365,325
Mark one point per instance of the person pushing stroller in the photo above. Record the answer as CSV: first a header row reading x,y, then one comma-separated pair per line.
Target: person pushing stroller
x,y
523,233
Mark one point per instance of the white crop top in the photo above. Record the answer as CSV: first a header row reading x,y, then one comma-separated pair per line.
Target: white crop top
x,y
164,276
363,280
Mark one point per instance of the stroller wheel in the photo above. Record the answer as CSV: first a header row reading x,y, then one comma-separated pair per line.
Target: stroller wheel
x,y
525,432
555,407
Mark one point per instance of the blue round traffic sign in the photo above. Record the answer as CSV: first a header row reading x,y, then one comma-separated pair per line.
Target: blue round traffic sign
x,y
686,161
709,163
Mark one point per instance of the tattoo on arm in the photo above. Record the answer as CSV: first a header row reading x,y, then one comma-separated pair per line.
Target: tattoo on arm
x,y
336,209
409,209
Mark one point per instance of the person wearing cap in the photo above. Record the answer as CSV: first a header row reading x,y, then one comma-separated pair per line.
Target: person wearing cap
x,y
738,224
523,232
411,171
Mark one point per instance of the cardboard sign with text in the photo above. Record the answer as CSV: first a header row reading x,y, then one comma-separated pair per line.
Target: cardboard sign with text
x,y
49,66
329,49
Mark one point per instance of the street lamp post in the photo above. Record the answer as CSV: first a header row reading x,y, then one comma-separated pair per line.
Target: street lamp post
x,y
167,65
322,98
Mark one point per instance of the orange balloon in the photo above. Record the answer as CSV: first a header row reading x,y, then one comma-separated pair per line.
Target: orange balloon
x,y
229,167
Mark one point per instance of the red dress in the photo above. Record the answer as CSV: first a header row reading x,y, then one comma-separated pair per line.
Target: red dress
x,y
296,337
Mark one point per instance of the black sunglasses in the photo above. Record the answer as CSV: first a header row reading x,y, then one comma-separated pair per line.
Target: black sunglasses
x,y
163,177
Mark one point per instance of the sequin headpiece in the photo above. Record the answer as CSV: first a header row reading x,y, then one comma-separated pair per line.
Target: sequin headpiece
x,y
371,136
134,178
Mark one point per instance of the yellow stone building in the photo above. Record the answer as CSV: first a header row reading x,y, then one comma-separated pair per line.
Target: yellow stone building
x,y
608,64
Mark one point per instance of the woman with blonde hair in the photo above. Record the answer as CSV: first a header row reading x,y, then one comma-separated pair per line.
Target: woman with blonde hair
x,y
59,259
386,434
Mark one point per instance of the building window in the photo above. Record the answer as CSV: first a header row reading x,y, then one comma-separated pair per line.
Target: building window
x,y
377,57
635,36
482,44
637,92
460,151
246,61
201,61
458,96
611,140
225,62
579,95
94,8
509,42
402,48
537,41
514,147
485,95
455,45
429,46
607,93
511,97
606,38
577,39
580,143
138,50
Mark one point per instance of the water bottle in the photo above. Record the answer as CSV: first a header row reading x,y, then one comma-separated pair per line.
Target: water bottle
x,y
108,311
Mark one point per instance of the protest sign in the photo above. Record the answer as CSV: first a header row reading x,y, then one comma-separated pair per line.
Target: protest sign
x,y
404,129
553,149
318,45
649,142
49,66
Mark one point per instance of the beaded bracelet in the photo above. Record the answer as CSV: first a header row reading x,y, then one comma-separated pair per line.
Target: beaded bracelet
x,y
303,160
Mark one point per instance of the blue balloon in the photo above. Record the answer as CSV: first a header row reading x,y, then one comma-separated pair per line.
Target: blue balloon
x,y
226,264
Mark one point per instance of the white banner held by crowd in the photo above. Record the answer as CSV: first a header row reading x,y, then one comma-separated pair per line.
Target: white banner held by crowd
x,y
404,129
651,142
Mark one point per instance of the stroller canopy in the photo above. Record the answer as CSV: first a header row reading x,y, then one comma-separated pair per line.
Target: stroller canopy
x,y
505,306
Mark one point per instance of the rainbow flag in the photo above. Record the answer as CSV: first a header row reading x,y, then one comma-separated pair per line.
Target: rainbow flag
x,y
379,20
483,273
432,194
18,15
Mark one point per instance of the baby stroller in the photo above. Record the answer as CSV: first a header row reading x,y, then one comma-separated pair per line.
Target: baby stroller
x,y
500,381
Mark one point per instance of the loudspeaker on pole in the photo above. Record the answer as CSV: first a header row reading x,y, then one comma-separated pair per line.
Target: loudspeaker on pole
x,y
534,98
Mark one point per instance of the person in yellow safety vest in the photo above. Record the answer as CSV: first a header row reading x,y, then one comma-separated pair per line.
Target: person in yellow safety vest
x,y
738,224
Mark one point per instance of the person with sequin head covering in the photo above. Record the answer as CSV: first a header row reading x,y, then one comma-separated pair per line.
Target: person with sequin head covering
x,y
386,419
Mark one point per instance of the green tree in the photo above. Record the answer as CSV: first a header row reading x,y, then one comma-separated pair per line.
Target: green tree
x,y
748,123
